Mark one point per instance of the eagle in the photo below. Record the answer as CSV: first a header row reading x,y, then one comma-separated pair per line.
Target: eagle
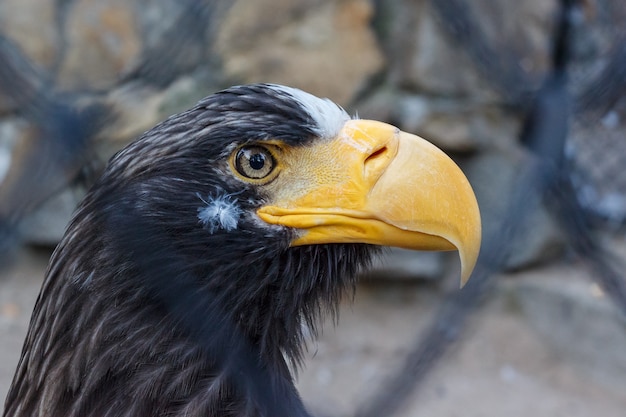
x,y
192,272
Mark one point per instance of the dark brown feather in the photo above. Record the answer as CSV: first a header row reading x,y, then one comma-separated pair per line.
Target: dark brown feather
x,y
143,312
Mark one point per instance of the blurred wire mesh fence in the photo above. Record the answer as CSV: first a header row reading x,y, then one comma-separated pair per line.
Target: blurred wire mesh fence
x,y
547,176
572,144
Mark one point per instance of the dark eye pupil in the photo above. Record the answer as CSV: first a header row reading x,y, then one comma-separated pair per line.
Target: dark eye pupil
x,y
254,162
257,161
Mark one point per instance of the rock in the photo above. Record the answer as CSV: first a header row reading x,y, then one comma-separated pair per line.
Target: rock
x,y
138,107
178,38
32,25
455,125
188,90
5,159
495,177
6,105
29,187
46,226
540,241
421,57
380,105
324,47
149,59
102,42
10,130
461,127
575,318
155,18
424,56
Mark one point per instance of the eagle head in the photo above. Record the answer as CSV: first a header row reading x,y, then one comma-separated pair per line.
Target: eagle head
x,y
229,227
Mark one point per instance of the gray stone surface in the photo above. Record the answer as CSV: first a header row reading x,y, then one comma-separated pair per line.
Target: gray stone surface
x,y
32,25
575,318
102,42
10,129
495,178
325,47
456,125
46,225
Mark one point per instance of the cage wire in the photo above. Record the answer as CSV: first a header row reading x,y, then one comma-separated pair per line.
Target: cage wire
x,y
599,116
575,155
562,169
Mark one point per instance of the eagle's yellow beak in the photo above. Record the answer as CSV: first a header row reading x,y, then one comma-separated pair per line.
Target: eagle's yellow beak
x,y
376,184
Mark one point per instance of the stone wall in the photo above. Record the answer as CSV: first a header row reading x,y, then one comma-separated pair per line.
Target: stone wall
x,y
403,61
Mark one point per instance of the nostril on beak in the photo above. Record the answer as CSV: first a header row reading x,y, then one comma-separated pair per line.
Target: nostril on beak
x,y
376,154
376,162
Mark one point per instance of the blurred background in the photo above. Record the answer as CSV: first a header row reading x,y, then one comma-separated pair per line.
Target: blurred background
x,y
527,96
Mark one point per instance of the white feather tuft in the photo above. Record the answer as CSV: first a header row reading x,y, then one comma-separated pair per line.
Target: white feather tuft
x,y
219,212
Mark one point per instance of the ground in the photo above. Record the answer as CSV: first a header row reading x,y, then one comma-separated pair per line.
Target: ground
x,y
546,343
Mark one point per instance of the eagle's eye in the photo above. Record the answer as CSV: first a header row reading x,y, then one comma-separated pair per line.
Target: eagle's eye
x,y
254,162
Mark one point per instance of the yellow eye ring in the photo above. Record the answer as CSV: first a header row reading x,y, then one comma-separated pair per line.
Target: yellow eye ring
x,y
254,163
